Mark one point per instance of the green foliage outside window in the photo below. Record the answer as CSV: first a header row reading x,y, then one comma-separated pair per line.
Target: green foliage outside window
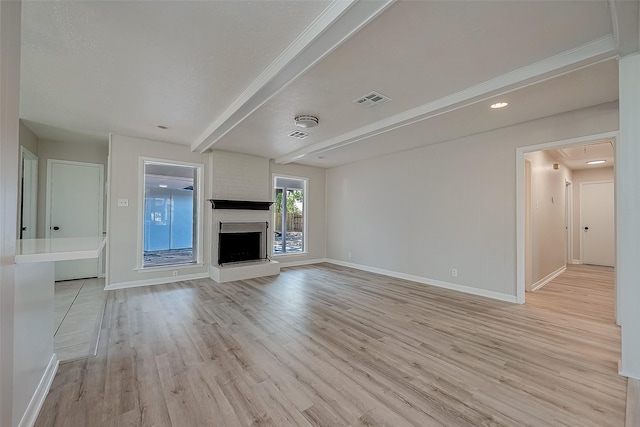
x,y
293,196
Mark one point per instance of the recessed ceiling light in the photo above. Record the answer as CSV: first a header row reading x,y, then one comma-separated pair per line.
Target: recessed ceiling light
x,y
163,127
163,185
595,162
306,121
499,105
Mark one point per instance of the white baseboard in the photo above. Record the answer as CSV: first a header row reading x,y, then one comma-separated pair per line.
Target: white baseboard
x,y
303,262
624,373
33,409
549,277
426,281
576,261
158,281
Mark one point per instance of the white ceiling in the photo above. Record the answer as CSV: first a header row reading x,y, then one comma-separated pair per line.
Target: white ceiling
x,y
576,157
232,75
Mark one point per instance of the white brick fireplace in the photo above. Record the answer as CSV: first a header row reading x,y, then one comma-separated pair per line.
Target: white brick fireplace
x,y
245,178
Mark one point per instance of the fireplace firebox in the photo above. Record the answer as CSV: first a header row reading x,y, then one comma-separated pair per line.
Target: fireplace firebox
x,y
242,242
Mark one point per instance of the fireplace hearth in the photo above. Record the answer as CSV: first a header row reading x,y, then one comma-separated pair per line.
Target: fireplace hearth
x,y
242,242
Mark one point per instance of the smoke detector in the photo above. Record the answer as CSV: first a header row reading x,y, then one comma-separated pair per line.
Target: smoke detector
x,y
306,121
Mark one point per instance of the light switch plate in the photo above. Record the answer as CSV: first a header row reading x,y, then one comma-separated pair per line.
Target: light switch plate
x,y
123,203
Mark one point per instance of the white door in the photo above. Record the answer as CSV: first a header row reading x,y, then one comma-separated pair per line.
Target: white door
x,y
28,195
597,223
74,209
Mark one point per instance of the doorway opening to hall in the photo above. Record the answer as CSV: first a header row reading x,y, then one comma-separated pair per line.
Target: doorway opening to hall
x,y
569,208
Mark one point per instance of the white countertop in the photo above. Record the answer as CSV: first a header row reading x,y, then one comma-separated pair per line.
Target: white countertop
x,y
60,249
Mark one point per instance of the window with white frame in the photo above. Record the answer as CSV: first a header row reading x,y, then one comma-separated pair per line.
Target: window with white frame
x,y
289,215
170,224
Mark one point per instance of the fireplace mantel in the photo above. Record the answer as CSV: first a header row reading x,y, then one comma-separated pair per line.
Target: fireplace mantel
x,y
240,205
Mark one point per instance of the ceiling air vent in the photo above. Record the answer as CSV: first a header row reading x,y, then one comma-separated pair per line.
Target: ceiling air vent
x,y
371,99
298,134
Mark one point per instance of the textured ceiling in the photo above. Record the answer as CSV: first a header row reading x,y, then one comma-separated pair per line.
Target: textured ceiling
x,y
125,66
232,75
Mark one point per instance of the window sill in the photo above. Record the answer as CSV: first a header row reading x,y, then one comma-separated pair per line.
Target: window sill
x,y
289,254
167,267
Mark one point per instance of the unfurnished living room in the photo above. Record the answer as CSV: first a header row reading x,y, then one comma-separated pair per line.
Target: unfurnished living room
x,y
320,213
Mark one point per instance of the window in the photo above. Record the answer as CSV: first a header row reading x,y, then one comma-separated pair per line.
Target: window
x,y
289,215
170,215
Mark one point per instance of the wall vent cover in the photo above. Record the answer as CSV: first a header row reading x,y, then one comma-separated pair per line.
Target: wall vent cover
x,y
371,99
298,134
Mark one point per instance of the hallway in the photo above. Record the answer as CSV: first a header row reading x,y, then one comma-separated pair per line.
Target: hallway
x,y
583,291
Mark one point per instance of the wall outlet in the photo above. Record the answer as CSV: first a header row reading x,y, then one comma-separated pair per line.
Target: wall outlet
x,y
123,203
175,273
454,272
349,255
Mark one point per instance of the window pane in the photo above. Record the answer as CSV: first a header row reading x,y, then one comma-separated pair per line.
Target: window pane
x,y
170,221
289,216
277,221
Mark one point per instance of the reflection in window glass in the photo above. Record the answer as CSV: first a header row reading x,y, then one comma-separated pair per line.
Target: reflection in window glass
x,y
170,214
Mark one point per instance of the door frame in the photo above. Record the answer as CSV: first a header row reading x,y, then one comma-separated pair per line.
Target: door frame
x,y
26,154
520,203
568,220
100,167
528,234
581,218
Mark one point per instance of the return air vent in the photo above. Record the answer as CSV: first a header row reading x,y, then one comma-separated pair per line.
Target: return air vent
x,y
371,99
298,134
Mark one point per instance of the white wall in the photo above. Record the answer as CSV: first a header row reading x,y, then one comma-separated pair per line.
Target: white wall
x,y
9,142
452,205
548,234
123,232
579,176
89,153
316,210
28,139
628,214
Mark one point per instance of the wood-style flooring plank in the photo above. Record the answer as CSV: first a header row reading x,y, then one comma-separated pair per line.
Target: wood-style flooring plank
x,y
324,345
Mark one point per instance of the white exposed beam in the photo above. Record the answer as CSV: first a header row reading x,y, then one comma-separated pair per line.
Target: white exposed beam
x,y
625,23
565,62
341,20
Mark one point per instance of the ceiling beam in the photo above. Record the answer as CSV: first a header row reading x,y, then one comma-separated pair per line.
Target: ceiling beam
x,y
625,22
339,21
591,53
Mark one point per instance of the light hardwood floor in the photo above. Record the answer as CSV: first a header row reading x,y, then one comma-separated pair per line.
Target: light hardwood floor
x,y
331,346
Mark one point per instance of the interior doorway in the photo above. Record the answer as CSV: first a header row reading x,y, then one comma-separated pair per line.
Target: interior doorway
x,y
28,194
74,209
597,218
560,207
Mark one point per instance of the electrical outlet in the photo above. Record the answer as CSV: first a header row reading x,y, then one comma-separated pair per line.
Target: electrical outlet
x,y
123,203
454,272
349,255
175,273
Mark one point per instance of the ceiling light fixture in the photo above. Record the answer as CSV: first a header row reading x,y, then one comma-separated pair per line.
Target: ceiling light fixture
x,y
163,127
306,121
499,105
596,162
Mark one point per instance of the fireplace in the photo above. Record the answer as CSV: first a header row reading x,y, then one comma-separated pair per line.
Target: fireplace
x,y
242,242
